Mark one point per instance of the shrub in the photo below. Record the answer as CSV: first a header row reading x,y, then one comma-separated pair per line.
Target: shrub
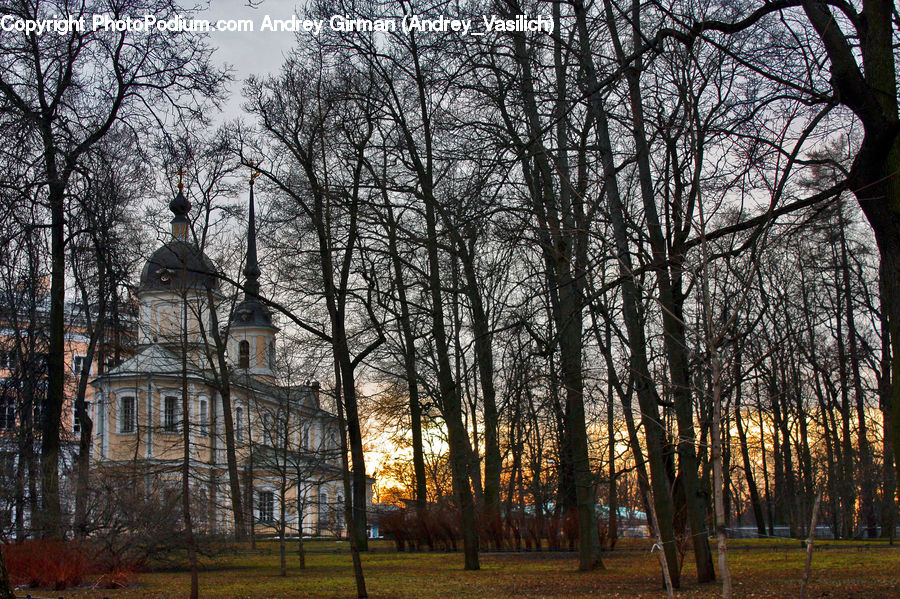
x,y
64,564
46,563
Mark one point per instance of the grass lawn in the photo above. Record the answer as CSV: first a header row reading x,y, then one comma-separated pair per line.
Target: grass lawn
x,y
759,569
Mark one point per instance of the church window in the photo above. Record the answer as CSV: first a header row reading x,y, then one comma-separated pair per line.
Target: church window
x,y
324,514
8,360
204,418
127,415
244,354
271,354
267,428
40,393
170,415
266,506
239,424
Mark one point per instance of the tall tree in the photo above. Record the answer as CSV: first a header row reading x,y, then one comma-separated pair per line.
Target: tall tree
x,y
304,111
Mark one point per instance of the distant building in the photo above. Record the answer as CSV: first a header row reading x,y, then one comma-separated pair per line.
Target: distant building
x,y
24,343
23,356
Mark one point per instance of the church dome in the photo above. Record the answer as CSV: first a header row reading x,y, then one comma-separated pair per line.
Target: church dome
x,y
178,264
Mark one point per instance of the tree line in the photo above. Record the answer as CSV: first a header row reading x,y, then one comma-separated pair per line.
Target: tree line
x,y
650,259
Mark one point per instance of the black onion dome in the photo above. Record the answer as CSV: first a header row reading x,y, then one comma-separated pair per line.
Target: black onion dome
x,y
178,264
180,205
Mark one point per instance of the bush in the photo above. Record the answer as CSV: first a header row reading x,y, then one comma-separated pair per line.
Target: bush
x,y
135,520
63,564
45,563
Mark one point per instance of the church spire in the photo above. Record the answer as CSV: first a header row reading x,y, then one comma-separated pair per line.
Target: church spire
x,y
252,311
251,269
252,333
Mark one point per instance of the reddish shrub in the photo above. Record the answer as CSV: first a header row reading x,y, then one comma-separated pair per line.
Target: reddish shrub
x,y
46,563
63,564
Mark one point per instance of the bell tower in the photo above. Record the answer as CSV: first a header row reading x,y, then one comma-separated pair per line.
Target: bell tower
x,y
251,342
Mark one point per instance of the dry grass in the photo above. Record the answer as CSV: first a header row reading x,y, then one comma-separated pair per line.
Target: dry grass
x,y
759,569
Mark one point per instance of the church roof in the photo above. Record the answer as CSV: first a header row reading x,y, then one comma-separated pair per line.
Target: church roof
x,y
302,395
251,313
153,359
178,264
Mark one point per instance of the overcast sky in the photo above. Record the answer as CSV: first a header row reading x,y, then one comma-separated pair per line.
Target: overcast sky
x,y
250,53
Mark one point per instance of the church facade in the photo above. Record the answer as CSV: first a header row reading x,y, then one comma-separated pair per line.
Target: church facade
x,y
286,446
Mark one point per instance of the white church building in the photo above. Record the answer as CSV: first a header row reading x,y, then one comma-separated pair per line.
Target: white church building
x,y
283,439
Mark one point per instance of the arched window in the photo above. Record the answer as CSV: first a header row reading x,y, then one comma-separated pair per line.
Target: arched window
x,y
271,354
324,511
244,354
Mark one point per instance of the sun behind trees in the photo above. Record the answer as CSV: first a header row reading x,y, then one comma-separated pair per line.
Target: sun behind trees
x,y
632,278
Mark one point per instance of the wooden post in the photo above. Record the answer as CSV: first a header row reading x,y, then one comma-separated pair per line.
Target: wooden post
x,y
809,544
662,554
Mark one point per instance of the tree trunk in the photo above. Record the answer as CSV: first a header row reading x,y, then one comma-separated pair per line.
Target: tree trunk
x,y
718,479
563,244
301,508
809,544
224,381
871,93
186,456
755,502
866,471
770,508
49,518
409,363
848,478
613,532
664,566
354,434
349,514
335,299
5,587
449,396
643,385
282,524
672,300
889,475
891,259
97,337
485,357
